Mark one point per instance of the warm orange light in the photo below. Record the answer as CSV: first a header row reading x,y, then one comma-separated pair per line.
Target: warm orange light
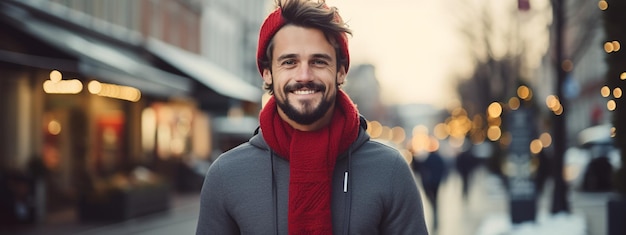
x,y
608,47
524,92
546,139
616,45
623,76
605,91
611,105
386,134
54,127
494,133
441,131
114,91
420,143
397,135
552,102
73,86
94,87
55,76
617,92
535,146
375,129
433,144
419,129
514,103
559,111
603,5
494,110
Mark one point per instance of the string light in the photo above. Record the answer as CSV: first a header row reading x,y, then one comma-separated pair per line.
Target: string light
x,y
494,110
546,139
603,5
55,76
616,46
611,105
56,84
612,46
524,93
605,91
617,93
608,47
114,91
514,103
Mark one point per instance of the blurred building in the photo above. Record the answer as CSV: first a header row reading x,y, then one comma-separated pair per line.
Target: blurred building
x,y
100,96
364,90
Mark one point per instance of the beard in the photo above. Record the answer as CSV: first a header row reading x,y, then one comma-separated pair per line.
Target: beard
x,y
309,112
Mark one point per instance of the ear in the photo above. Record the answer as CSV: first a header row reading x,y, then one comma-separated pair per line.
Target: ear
x,y
341,75
267,76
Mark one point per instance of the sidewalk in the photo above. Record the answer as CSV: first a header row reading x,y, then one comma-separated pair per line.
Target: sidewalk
x,y
181,218
459,216
486,211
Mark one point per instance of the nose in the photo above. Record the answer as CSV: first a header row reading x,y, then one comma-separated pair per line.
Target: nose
x,y
304,73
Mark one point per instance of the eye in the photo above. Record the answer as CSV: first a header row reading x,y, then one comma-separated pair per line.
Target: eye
x,y
320,62
288,62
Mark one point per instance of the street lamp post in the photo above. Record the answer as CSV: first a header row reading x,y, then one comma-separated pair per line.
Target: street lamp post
x,y
559,197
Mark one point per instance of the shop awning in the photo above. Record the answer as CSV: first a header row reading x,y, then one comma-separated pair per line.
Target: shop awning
x,y
96,57
206,72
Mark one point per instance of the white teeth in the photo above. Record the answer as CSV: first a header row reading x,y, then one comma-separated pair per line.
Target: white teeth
x,y
304,92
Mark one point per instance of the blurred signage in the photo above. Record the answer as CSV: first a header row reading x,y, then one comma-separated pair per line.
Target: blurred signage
x,y
521,186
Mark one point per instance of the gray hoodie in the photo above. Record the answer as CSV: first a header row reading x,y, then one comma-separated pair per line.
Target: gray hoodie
x,y
246,192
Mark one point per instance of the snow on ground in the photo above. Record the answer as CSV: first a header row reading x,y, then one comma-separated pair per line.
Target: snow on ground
x,y
562,223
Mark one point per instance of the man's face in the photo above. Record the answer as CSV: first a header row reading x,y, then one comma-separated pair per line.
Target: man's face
x,y
304,74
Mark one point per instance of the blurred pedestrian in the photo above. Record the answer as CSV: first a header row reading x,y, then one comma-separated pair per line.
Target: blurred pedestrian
x,y
465,164
543,171
597,177
311,168
432,171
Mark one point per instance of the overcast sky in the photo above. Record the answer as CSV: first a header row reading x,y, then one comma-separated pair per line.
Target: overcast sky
x,y
415,45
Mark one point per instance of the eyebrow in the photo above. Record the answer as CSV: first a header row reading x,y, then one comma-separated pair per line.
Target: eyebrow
x,y
317,56
322,56
286,56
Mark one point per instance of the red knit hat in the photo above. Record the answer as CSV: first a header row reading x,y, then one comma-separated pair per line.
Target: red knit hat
x,y
273,23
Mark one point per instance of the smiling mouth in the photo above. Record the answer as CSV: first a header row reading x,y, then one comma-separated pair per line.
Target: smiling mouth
x,y
305,89
304,92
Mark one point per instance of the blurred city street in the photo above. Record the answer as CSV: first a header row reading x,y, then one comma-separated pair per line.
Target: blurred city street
x,y
486,211
113,111
482,213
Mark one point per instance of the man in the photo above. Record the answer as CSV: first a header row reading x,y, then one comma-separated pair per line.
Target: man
x,y
312,168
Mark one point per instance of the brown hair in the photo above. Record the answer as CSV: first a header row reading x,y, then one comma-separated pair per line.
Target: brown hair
x,y
311,14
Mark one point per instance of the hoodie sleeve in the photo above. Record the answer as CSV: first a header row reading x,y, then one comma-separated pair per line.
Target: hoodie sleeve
x,y
404,210
214,217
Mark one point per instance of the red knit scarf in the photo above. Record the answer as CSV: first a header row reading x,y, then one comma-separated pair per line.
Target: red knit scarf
x,y
312,156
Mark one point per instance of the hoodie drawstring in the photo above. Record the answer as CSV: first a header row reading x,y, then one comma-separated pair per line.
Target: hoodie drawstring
x,y
274,196
347,194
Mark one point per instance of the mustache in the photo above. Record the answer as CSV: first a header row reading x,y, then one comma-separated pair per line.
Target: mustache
x,y
309,85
